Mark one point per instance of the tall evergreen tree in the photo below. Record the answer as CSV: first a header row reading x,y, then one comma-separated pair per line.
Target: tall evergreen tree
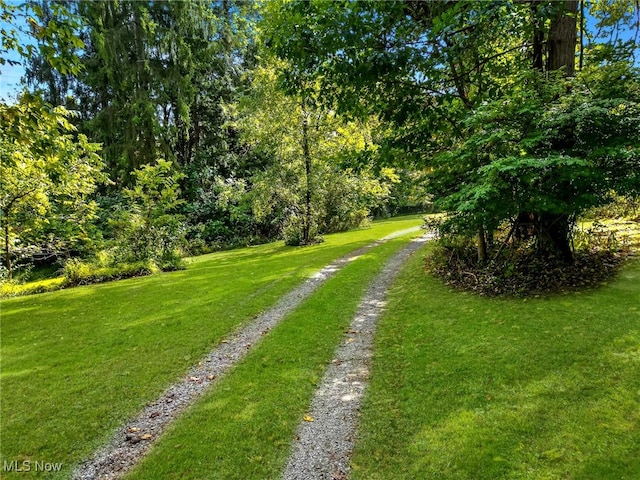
x,y
156,76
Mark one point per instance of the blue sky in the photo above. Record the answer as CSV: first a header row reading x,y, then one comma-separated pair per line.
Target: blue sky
x,y
10,75
10,80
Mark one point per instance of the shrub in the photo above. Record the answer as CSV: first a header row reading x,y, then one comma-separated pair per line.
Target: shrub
x,y
77,272
14,289
149,230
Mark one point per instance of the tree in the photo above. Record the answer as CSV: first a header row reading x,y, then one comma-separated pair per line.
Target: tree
x,y
46,177
306,190
448,77
149,229
48,171
154,80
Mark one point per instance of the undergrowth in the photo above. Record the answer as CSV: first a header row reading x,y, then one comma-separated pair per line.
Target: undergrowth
x,y
521,270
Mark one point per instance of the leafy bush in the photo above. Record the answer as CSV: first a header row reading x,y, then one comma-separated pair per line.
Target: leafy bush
x,y
149,230
75,271
78,272
9,288
292,231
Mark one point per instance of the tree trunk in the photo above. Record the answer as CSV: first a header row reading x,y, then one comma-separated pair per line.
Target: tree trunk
x,y
554,230
306,153
7,255
562,39
557,229
580,65
482,246
538,36
562,54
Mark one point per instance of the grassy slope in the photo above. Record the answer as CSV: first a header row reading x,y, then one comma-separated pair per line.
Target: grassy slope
x,y
244,427
77,363
467,387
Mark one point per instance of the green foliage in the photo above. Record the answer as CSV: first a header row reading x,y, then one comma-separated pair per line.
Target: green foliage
x,y
53,30
48,174
537,151
79,272
348,198
149,229
475,93
12,288
156,77
221,216
273,123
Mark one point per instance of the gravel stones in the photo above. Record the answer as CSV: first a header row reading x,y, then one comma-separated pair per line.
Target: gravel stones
x,y
132,441
326,438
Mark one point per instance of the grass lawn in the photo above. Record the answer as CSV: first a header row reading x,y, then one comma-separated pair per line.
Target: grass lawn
x,y
244,427
465,387
76,363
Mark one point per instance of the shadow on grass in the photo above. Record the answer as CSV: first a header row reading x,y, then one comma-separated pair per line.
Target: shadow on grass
x,y
467,387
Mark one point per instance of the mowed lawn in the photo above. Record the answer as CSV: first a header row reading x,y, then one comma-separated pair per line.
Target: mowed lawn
x,y
245,426
473,388
79,362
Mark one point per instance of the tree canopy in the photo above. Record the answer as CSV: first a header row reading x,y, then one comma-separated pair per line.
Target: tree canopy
x,y
486,96
291,118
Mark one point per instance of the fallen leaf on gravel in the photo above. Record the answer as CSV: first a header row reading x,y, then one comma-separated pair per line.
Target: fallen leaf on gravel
x,y
133,429
194,379
210,377
308,418
146,436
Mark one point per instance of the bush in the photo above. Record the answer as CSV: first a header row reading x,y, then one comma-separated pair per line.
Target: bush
x,y
292,232
149,230
78,272
10,288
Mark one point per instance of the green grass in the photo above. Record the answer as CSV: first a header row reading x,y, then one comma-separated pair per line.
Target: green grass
x,y
244,427
76,363
465,387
